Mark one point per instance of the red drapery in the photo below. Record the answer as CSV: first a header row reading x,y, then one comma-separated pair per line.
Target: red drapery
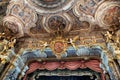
x,y
72,65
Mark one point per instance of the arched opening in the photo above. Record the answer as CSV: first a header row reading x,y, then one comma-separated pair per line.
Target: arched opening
x,y
64,70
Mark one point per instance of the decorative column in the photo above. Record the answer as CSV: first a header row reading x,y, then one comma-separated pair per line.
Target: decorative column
x,y
114,70
14,68
107,16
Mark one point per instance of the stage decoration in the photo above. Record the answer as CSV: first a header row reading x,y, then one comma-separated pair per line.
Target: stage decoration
x,y
6,49
113,35
65,73
53,32
72,65
6,42
58,46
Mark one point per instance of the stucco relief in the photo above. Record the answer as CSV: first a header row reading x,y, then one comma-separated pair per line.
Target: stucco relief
x,y
108,14
111,16
50,6
57,22
15,25
85,9
57,16
20,17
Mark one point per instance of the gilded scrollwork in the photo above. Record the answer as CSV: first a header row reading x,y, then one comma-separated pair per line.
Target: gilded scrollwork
x,y
58,46
108,36
117,40
45,29
5,46
73,41
113,35
41,45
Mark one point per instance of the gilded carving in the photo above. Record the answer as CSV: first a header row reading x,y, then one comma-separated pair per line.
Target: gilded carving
x,y
40,45
3,46
11,43
6,45
1,35
108,36
117,34
113,37
63,27
72,41
58,46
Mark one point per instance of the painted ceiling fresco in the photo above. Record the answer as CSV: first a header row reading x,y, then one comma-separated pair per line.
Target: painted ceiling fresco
x,y
60,30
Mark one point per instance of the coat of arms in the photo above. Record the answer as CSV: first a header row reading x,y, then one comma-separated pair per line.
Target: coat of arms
x,y
58,46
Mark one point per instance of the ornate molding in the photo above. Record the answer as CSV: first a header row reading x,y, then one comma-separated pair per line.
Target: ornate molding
x,y
58,46
57,22
48,7
85,10
20,16
104,9
15,25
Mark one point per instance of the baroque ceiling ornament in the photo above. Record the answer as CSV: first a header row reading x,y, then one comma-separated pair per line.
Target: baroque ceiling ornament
x,y
14,24
60,29
58,47
6,43
55,23
106,13
85,9
20,16
50,6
